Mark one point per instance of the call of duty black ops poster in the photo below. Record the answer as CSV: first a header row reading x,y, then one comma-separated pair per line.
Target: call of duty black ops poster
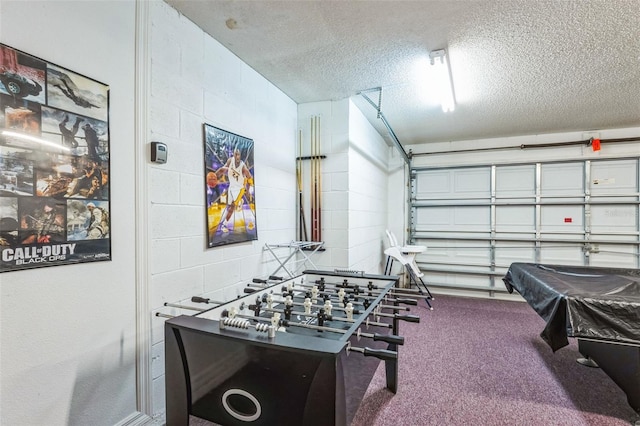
x,y
54,165
230,187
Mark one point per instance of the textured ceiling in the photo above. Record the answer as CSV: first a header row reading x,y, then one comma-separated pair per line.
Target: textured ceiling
x,y
519,67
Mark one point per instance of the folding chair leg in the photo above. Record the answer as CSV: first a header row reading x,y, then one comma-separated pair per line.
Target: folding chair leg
x,y
389,266
412,278
426,288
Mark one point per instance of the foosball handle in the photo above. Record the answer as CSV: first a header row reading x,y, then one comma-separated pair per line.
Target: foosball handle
x,y
389,338
274,278
248,290
408,318
412,302
197,299
380,353
259,281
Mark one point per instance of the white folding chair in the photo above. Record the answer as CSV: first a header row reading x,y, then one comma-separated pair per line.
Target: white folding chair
x,y
406,255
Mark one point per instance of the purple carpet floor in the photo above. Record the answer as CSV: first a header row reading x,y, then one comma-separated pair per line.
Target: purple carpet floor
x,y
478,361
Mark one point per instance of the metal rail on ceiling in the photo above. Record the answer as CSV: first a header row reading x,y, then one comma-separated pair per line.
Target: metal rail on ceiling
x,y
586,142
378,107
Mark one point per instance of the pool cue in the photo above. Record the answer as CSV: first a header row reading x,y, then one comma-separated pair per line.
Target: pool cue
x,y
319,173
302,223
314,183
312,198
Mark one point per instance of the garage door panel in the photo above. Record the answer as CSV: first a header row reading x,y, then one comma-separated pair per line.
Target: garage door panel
x,y
456,219
631,237
618,218
515,181
614,177
509,252
461,280
434,218
562,179
433,184
516,218
473,182
561,254
472,218
614,256
562,218
456,252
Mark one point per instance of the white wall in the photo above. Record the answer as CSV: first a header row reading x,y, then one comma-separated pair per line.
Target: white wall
x,y
368,180
67,333
194,79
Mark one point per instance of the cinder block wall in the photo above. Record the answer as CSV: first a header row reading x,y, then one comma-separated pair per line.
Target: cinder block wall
x,y
195,80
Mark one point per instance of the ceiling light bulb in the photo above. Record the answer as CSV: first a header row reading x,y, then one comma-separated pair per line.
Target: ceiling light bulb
x,y
442,84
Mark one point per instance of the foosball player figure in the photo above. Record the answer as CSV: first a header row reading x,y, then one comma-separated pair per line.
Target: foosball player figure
x,y
307,305
349,311
287,312
322,316
256,308
327,306
366,304
341,294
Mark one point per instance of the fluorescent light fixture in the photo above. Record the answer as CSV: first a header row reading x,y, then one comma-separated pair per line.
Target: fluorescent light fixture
x,y
34,139
442,76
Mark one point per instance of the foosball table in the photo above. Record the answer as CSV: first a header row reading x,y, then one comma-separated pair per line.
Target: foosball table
x,y
300,351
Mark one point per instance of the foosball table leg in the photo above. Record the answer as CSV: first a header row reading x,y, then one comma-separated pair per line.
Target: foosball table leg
x,y
391,369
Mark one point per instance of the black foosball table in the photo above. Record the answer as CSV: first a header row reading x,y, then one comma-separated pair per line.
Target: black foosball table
x,y
300,351
600,307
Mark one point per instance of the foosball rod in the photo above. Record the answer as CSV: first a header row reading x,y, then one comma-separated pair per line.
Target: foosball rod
x,y
332,318
175,305
285,323
334,296
389,338
283,302
378,353
197,299
404,301
348,291
305,287
274,278
365,288
408,318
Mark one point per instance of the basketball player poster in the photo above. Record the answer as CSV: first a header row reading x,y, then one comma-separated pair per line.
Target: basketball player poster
x,y
229,187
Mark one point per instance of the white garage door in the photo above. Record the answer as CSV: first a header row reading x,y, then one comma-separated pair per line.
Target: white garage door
x,y
478,220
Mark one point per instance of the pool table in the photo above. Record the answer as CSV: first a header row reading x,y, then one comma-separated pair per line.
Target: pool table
x,y
600,307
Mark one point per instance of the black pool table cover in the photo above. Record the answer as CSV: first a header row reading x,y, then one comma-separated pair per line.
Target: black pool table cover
x,y
580,302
